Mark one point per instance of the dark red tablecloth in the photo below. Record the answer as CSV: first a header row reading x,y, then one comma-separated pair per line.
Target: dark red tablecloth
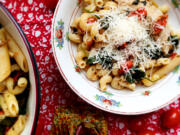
x,y
35,20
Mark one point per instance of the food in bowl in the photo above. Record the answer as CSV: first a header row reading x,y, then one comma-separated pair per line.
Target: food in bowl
x,y
14,86
125,43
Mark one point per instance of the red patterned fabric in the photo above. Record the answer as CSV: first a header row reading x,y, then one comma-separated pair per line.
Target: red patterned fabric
x,y
35,20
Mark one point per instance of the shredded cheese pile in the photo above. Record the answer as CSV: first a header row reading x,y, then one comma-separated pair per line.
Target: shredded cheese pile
x,y
124,29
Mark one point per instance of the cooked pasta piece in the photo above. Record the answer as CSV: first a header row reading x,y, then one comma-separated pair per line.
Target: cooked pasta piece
x,y
92,73
75,23
99,3
21,85
18,55
164,8
2,86
168,68
15,67
104,81
2,116
84,22
80,59
4,106
116,83
88,40
75,38
162,61
11,103
110,5
91,7
5,68
19,126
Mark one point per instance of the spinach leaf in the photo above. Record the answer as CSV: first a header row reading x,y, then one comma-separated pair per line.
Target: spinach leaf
x,y
104,23
91,60
104,59
98,17
135,75
174,40
154,54
136,2
175,3
144,2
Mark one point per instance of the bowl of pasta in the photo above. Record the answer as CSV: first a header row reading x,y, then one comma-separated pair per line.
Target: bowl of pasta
x,y
120,56
19,80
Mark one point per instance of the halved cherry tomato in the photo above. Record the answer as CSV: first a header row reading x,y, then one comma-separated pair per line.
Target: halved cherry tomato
x,y
173,55
124,45
137,124
160,24
146,132
171,118
141,12
129,64
91,20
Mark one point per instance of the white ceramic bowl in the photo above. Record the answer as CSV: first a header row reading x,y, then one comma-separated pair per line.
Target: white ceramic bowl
x,y
142,100
7,20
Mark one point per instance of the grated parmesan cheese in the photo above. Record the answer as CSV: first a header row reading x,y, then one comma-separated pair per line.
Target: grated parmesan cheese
x,y
123,29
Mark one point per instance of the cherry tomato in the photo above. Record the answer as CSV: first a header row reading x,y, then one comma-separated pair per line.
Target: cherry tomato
x,y
51,4
140,12
173,55
129,64
160,24
136,124
146,132
124,45
91,20
171,118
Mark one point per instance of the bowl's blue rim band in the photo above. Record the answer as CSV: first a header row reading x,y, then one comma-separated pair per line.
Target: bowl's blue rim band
x,y
36,73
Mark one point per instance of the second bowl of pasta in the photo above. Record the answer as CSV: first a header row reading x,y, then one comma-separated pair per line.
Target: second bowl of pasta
x,y
119,55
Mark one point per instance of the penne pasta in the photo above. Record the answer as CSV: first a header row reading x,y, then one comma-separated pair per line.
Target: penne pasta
x,y
21,85
13,81
11,103
168,68
18,127
4,106
18,55
5,65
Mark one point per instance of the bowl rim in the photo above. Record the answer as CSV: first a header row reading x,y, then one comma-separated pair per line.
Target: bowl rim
x,y
83,97
34,64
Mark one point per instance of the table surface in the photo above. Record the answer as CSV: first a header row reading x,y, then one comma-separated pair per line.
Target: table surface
x,y
35,20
